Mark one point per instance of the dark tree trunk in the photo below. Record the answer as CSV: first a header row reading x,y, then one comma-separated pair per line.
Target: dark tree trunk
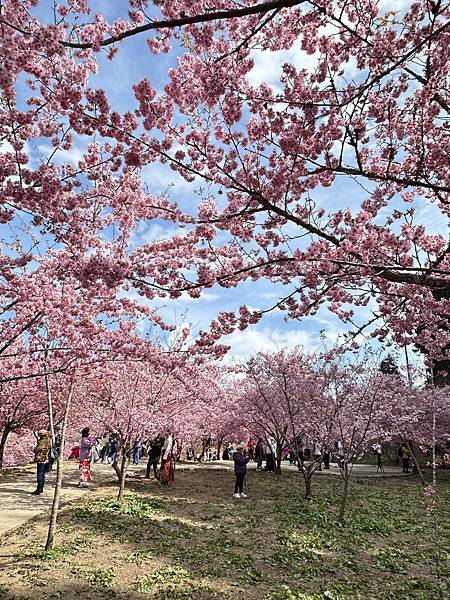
x,y
116,468
202,455
7,430
417,468
307,476
123,474
219,447
308,486
278,460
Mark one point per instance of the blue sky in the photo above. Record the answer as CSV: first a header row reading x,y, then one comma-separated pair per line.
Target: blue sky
x,y
135,62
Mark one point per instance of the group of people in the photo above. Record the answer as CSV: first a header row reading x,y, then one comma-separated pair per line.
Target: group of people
x,y
104,449
161,450
265,450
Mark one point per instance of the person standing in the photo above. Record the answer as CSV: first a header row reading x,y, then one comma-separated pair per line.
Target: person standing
x,y
113,448
326,459
102,447
154,454
378,449
270,449
137,452
318,455
41,459
340,455
230,451
259,453
251,448
166,472
405,458
54,450
84,459
240,470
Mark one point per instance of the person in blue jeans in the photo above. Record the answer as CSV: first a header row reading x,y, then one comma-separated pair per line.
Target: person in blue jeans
x,y
137,453
41,458
240,459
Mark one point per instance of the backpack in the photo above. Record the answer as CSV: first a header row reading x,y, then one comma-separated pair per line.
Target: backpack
x,y
52,454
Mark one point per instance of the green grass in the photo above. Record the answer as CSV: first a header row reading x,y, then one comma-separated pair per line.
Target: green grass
x,y
194,541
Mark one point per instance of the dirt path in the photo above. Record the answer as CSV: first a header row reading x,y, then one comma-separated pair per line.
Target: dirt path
x,y
17,505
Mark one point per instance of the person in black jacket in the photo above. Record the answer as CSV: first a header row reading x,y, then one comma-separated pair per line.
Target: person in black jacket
x,y
154,454
240,469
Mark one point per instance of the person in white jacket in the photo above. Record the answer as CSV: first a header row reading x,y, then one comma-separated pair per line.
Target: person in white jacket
x,y
166,472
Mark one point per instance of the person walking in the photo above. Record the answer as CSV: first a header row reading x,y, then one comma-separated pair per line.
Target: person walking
x,y
41,452
84,459
166,472
240,469
154,454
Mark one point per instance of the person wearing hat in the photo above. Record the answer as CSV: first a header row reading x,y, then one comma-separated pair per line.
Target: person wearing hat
x,y
41,458
240,469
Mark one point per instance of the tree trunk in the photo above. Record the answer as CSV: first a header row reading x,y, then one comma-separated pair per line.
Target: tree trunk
x,y
116,468
3,441
219,447
307,476
49,401
416,463
202,455
308,487
344,497
59,474
278,461
123,474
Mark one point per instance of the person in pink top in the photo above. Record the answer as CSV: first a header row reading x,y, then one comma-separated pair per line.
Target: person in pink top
x,y
84,458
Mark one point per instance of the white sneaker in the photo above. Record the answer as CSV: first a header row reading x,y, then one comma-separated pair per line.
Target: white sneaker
x,y
236,495
243,495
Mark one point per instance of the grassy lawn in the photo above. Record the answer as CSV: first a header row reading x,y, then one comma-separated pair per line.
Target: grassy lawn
x,y
194,541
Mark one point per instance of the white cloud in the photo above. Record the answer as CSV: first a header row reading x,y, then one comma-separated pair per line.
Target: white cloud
x,y
256,339
431,217
267,65
397,5
72,156
205,297
160,177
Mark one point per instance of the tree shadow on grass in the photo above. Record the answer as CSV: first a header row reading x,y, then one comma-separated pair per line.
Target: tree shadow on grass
x,y
182,539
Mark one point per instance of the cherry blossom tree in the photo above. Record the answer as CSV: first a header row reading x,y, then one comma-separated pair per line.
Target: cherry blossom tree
x,y
364,100
23,405
136,400
287,397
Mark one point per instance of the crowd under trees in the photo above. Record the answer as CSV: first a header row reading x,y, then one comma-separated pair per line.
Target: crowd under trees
x,y
370,109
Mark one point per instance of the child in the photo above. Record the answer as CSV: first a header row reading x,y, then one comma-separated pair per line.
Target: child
x,y
240,469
